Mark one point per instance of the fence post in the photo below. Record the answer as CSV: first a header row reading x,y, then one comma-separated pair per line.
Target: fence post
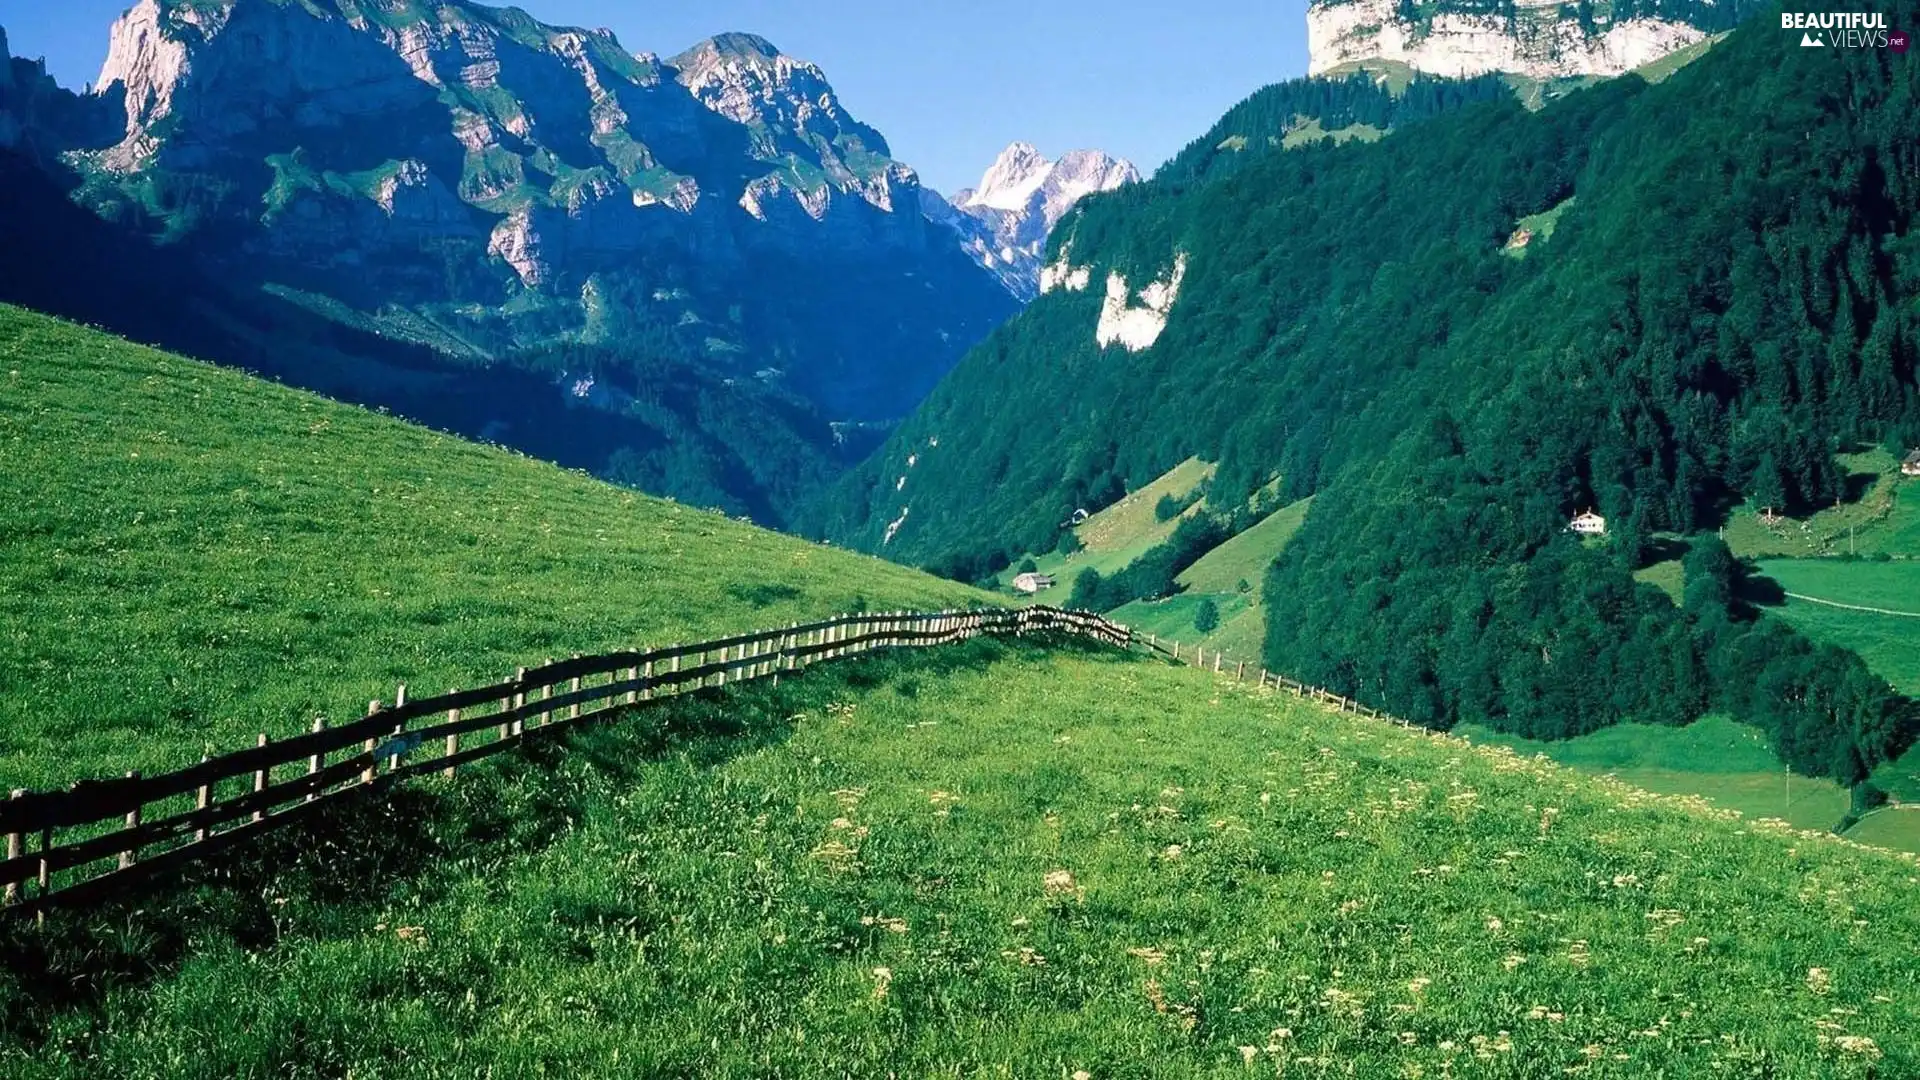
x,y
260,775
1240,671
45,878
726,658
675,669
133,822
514,702
14,841
316,762
453,740
646,688
573,687
1176,650
546,694
373,765
201,800
399,701
1216,661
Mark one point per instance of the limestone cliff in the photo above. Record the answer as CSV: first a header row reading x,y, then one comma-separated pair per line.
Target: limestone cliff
x,y
1536,38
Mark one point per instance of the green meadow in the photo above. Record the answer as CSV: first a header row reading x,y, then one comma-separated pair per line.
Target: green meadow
x,y
1002,859
1715,758
193,556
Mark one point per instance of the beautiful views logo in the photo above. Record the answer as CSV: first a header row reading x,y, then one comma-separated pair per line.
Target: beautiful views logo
x,y
1844,30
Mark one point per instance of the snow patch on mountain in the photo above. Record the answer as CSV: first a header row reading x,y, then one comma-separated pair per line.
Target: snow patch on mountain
x,y
1137,328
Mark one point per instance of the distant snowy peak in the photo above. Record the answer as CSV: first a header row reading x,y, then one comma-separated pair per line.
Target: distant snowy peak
x,y
1011,180
1021,173
1003,223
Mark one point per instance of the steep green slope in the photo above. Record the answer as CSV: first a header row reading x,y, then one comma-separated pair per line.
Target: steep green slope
x,y
1728,300
193,556
1002,861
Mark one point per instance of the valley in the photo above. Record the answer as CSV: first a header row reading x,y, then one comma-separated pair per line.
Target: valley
x,y
1534,390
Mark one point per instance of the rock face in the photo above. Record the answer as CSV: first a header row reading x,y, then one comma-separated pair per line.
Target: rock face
x,y
1005,221
1540,39
37,118
471,176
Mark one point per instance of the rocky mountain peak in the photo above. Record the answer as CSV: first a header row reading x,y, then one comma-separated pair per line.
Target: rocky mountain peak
x,y
446,155
733,45
1012,178
1004,222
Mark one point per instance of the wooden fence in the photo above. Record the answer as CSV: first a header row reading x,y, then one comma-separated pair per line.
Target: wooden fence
x,y
66,847
1196,655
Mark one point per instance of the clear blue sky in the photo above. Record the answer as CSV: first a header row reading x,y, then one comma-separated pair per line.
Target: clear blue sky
x,y
949,84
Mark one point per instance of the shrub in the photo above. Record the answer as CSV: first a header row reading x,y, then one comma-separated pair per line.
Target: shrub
x,y
1087,590
1206,617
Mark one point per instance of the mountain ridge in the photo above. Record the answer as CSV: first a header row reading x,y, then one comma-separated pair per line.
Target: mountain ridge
x,y
514,195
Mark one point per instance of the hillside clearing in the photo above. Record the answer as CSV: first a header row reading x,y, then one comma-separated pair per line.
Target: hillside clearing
x,y
1122,532
196,556
1885,519
996,860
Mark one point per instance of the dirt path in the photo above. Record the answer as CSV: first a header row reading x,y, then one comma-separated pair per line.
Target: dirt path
x,y
1854,607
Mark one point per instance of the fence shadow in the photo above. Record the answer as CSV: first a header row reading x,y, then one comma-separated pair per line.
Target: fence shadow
x,y
334,874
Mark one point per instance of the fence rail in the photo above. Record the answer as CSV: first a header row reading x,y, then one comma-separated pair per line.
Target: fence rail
x,y
63,847
73,845
1197,656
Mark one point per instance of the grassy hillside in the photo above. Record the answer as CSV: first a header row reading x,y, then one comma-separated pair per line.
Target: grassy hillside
x,y
1220,575
194,556
1121,532
1731,763
995,861
1246,556
1890,644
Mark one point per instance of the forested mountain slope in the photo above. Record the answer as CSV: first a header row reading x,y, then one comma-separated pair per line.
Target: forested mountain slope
x,y
1728,302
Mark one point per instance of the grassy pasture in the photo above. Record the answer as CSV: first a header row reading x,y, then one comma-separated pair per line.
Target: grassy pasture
x,y
1885,519
1715,758
1890,644
1000,861
193,556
